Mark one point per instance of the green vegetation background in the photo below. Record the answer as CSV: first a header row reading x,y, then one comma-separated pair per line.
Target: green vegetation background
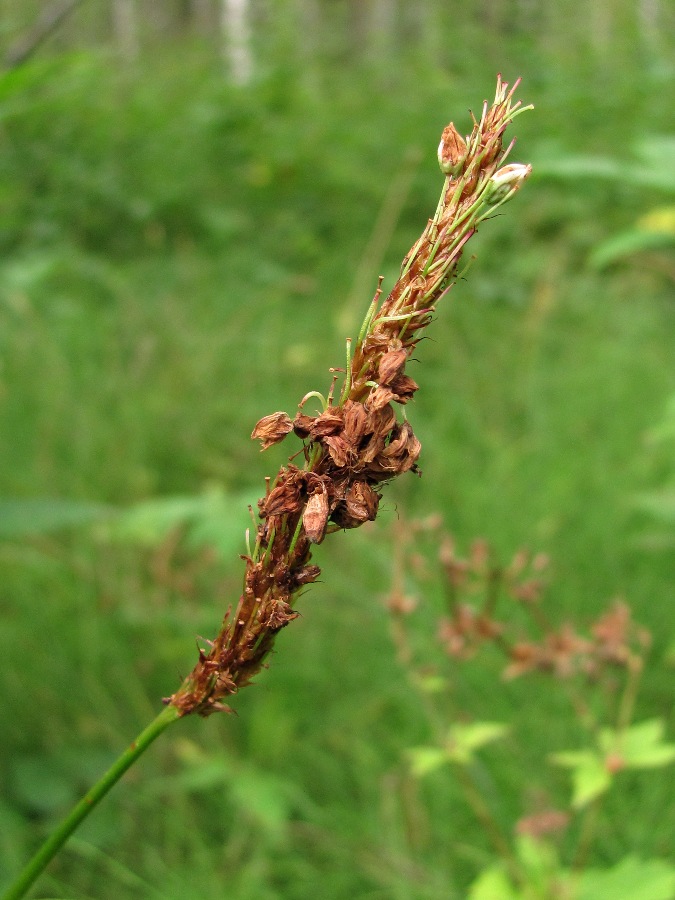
x,y
180,256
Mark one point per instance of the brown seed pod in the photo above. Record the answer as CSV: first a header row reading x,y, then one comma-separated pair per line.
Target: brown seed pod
x,y
379,398
362,502
272,429
329,422
340,451
315,516
356,422
391,365
305,575
286,496
403,387
302,425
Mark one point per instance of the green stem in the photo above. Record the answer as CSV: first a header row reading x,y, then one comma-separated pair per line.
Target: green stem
x,y
79,812
588,831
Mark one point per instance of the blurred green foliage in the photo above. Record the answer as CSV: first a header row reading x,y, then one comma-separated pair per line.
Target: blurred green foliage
x,y
177,256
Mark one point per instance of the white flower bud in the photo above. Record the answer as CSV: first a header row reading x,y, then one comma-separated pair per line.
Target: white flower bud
x,y
505,182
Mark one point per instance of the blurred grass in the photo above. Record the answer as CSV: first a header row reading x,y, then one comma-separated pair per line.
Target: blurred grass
x,y
177,261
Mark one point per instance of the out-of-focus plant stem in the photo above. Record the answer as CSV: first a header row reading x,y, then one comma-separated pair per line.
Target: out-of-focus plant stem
x,y
79,812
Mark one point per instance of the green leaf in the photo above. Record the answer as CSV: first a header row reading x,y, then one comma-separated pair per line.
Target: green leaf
x,y
650,173
259,794
215,518
431,684
653,149
639,747
575,167
631,879
639,735
570,759
263,797
26,518
222,521
669,655
660,504
40,786
491,884
589,781
463,740
665,429
213,772
149,522
538,858
590,776
627,242
426,759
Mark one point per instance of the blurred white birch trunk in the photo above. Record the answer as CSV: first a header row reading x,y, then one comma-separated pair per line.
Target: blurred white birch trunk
x,y
202,14
234,17
648,15
125,26
381,28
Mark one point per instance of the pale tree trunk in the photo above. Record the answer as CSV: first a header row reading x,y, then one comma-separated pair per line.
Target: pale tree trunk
x,y
47,23
237,39
382,27
648,14
308,20
125,26
202,15
600,27
430,29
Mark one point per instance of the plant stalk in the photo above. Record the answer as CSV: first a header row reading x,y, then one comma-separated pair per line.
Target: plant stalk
x,y
349,450
82,809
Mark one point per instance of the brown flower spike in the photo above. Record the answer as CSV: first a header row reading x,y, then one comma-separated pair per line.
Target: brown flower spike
x,y
355,445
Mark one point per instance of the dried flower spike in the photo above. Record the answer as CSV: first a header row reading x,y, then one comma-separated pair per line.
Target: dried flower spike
x,y
351,448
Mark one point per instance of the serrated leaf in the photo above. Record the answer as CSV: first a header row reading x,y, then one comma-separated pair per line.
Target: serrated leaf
x,y
426,759
631,879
